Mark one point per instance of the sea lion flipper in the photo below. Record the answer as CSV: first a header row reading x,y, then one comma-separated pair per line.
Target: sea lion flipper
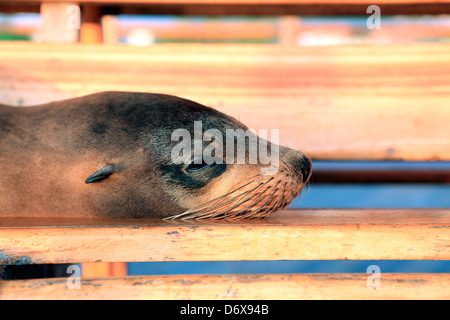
x,y
102,173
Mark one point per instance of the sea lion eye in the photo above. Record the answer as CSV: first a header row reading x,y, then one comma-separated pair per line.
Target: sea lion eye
x,y
195,167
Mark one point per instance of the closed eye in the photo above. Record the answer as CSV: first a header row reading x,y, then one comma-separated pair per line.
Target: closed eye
x,y
196,167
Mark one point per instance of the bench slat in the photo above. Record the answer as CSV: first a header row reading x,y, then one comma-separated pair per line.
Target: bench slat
x,y
263,286
337,234
250,7
349,102
241,2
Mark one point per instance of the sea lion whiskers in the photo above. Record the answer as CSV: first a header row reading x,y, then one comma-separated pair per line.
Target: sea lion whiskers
x,y
277,205
261,196
244,213
208,203
216,201
212,213
285,200
229,214
260,213
253,213
297,199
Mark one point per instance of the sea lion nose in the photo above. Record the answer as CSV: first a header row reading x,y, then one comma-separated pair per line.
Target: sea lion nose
x,y
302,165
307,168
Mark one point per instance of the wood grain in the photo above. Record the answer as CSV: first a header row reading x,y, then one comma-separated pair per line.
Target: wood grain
x,y
246,7
229,287
257,2
54,24
104,269
392,175
250,9
350,102
290,235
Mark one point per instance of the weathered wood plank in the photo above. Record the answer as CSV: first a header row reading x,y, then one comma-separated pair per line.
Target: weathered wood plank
x,y
194,30
237,29
290,235
250,9
104,269
55,27
242,2
228,287
391,175
238,2
351,102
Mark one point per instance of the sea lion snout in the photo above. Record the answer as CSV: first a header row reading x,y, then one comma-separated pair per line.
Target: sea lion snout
x,y
307,169
301,164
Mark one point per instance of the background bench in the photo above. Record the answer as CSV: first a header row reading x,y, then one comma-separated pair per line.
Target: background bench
x,y
354,103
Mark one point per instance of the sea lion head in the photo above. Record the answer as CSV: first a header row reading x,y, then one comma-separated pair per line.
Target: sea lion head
x,y
189,161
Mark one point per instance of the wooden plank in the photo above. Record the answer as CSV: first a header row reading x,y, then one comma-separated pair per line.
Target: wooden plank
x,y
350,102
255,2
55,27
196,30
262,30
104,269
230,287
91,31
251,30
284,30
394,175
290,235
287,28
250,7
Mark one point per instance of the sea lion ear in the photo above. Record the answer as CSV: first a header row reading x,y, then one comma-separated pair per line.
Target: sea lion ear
x,y
102,173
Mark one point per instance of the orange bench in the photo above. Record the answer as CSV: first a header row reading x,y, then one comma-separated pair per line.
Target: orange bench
x,y
328,101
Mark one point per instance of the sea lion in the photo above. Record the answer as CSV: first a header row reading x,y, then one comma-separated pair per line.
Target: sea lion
x,y
111,154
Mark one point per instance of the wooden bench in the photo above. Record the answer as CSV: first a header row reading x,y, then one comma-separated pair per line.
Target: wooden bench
x,y
290,235
335,103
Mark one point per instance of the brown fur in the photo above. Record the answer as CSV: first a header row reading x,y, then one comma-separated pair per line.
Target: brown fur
x,y
47,152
